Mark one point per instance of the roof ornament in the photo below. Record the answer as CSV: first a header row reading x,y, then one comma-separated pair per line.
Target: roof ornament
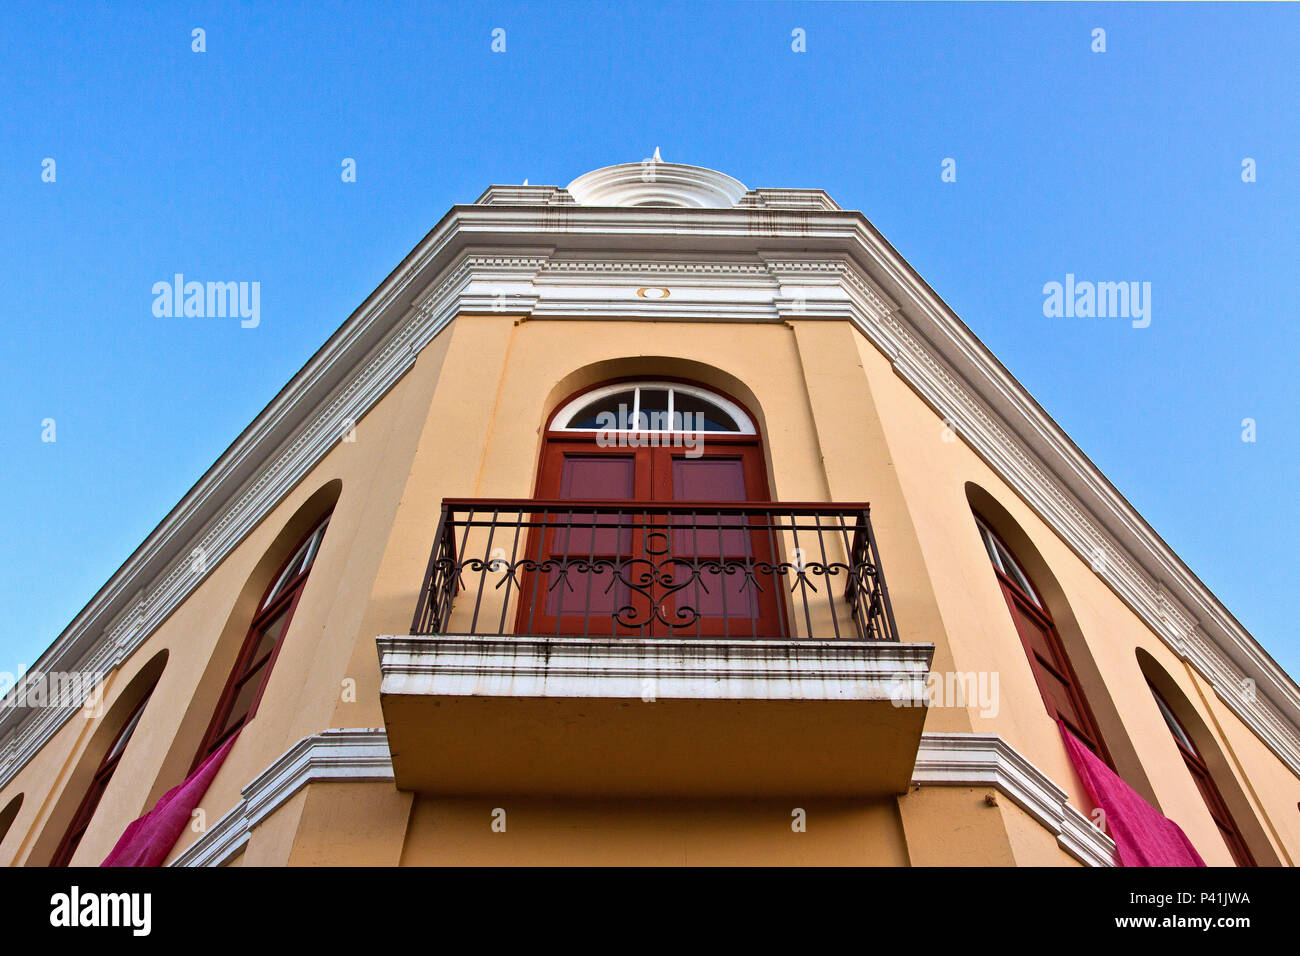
x,y
655,182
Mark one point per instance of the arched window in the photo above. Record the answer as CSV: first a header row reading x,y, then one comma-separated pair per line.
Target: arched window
x,y
247,681
1205,783
652,407
1055,677
589,454
98,784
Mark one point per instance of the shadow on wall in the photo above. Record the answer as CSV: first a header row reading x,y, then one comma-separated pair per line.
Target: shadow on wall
x,y
7,816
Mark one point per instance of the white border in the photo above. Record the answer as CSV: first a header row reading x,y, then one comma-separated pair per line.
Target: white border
x,y
586,398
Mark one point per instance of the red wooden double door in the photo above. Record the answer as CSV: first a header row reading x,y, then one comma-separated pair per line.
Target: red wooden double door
x,y
650,575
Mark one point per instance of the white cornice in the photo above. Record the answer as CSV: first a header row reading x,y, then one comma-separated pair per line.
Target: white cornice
x,y
788,199
565,261
986,760
525,196
350,755
681,668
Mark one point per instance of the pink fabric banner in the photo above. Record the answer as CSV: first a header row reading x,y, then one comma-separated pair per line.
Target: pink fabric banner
x,y
1143,835
148,840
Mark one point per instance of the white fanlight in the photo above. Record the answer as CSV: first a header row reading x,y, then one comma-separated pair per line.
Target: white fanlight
x,y
653,406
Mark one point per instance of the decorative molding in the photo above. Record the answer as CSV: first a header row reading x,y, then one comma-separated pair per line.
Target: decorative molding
x,y
986,760
681,668
525,196
495,258
331,756
591,268
656,183
815,199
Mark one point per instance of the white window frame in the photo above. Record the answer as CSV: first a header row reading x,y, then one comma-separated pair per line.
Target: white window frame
x,y
560,422
1006,562
303,557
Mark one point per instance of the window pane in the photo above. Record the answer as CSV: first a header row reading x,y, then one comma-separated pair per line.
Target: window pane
x,y
267,638
313,546
696,414
244,698
124,736
654,410
987,537
288,574
301,561
619,405
1174,726
1011,568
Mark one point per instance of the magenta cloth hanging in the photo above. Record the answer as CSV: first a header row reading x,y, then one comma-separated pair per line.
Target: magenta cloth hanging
x,y
148,840
1143,835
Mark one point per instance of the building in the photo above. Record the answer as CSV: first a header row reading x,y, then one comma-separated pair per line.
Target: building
x,y
656,520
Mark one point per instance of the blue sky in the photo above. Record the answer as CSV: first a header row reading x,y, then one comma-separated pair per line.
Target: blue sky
x,y
1123,165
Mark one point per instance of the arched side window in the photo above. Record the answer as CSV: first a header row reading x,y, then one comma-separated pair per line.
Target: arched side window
x,y
247,681
98,784
1205,783
655,406
1056,679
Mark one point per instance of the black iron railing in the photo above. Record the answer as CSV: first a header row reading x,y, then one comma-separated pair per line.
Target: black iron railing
x,y
641,569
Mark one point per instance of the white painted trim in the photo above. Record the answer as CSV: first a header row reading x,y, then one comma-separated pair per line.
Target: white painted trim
x,y
737,413
536,261
789,199
974,760
334,755
680,668
524,196
654,182
986,760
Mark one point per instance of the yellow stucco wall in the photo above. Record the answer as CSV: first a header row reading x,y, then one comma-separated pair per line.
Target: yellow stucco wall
x,y
467,420
980,636
680,833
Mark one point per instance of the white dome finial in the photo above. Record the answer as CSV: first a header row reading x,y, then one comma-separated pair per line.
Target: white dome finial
x,y
654,182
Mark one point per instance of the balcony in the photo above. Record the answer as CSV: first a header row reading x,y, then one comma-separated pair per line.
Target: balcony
x,y
683,648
